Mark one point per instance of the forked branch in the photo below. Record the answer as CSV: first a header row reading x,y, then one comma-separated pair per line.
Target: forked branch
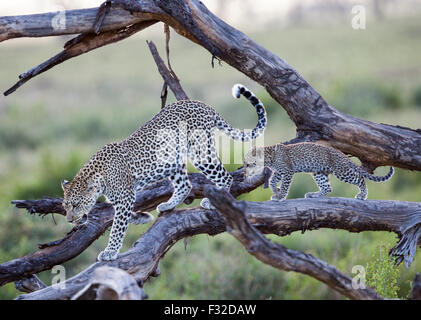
x,y
374,144
280,218
277,255
168,75
100,218
111,284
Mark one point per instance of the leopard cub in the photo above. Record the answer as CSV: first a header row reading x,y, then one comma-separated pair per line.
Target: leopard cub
x,y
286,160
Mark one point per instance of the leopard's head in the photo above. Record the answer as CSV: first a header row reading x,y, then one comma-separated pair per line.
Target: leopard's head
x,y
80,196
254,161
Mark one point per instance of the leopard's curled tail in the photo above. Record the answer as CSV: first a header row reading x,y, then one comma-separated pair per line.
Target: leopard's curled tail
x,y
371,177
237,134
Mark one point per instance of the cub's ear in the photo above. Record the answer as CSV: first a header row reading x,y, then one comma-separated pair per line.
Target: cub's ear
x,y
64,183
277,147
259,152
253,151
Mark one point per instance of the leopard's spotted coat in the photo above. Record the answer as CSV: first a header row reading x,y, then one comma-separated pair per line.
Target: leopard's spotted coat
x,y
157,150
287,159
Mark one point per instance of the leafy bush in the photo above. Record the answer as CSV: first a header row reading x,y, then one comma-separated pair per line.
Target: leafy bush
x,y
383,274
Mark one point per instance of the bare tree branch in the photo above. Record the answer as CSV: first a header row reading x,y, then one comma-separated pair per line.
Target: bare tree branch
x,y
280,218
168,75
142,259
111,284
277,255
103,11
167,49
76,21
316,120
80,45
30,284
100,218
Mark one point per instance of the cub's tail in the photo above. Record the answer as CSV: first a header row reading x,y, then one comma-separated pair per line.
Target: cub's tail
x,y
377,178
237,134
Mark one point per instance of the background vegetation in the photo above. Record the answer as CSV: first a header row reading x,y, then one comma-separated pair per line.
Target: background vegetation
x,y
53,124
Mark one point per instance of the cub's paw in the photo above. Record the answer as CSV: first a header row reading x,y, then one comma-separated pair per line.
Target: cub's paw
x,y
361,197
107,255
276,198
165,206
310,195
206,204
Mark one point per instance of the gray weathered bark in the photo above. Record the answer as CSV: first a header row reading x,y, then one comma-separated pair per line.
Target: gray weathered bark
x,y
280,218
277,255
374,144
111,284
30,284
100,218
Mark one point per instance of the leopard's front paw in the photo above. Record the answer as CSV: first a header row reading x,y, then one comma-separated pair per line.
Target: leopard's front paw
x,y
310,195
165,206
107,255
206,204
361,196
276,198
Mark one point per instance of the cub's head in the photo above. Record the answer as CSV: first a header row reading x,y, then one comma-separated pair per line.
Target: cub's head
x,y
254,161
80,196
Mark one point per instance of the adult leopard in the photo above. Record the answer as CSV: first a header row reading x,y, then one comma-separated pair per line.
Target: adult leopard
x,y
157,150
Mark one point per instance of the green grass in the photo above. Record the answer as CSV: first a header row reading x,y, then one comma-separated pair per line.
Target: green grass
x,y
53,124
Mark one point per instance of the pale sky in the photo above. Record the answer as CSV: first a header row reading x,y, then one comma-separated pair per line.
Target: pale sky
x,y
16,7
233,12
247,14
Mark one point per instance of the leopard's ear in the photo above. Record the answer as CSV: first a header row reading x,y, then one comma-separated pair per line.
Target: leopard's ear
x,y
253,151
258,152
278,146
64,183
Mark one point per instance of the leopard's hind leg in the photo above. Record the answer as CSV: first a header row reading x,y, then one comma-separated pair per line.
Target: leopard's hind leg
x,y
281,193
360,183
322,181
218,175
175,168
204,158
182,187
353,177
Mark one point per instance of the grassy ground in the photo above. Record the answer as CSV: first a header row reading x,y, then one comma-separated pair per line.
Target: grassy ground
x,y
53,124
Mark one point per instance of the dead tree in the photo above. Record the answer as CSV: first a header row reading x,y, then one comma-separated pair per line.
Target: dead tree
x,y
374,144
